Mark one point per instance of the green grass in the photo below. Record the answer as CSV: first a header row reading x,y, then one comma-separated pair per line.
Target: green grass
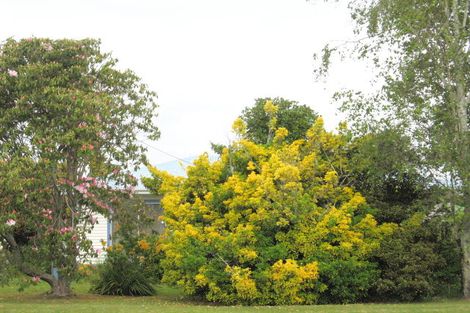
x,y
169,300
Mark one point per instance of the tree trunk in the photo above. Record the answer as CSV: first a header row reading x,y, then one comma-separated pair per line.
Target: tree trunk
x,y
465,243
60,288
463,165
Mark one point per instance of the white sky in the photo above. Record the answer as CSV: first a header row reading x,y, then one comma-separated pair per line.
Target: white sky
x,y
206,59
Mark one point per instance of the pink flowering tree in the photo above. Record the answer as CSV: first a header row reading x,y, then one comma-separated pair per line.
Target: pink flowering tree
x,y
69,121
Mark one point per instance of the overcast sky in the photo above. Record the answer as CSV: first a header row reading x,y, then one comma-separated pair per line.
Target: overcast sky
x,y
206,59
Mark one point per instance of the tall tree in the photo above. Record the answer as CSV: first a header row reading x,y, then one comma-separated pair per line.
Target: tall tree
x,y
68,127
296,118
422,50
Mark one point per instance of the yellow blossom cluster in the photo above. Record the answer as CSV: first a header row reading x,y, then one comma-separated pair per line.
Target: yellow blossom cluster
x,y
258,224
143,244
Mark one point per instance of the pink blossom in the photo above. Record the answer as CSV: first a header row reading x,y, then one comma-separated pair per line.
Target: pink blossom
x,y
35,279
102,204
130,189
81,188
65,230
82,125
12,73
74,237
11,222
100,184
98,251
47,214
87,147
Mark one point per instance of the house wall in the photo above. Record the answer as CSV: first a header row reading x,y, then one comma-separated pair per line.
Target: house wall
x,y
99,234
103,229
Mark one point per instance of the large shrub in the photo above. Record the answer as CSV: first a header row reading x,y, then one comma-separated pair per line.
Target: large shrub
x,y
417,263
263,223
122,274
422,258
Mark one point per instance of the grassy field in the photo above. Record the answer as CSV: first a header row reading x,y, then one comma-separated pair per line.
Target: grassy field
x,y
170,301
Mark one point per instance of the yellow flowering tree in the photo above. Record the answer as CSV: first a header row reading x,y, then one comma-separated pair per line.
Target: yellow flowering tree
x,y
269,224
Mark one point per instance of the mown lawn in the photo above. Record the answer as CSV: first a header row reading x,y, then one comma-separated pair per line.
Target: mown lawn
x,y
170,300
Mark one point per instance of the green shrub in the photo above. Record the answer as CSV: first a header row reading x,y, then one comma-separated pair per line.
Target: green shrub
x,y
416,263
147,250
255,226
122,274
348,280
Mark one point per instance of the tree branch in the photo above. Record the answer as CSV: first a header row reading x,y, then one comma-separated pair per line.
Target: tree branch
x,y
24,267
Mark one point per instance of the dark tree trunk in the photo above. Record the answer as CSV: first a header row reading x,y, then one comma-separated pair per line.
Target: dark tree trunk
x,y
60,288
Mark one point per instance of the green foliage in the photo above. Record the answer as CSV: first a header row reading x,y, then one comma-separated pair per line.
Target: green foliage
x,y
7,270
296,118
349,280
422,55
69,121
130,267
385,169
146,249
413,265
269,224
122,274
421,258
151,257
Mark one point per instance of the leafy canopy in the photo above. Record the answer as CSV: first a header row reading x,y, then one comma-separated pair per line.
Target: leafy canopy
x,y
422,53
269,224
69,121
296,118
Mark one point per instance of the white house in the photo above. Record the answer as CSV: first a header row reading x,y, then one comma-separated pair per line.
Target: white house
x,y
102,232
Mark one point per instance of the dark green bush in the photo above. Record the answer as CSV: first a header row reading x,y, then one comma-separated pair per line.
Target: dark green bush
x,y
416,263
347,281
122,274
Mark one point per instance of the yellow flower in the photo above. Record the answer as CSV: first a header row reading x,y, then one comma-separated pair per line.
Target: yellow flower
x,y
331,177
239,127
251,166
270,108
143,244
280,134
246,255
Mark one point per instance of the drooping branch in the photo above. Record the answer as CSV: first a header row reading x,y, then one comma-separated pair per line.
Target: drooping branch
x,y
24,267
